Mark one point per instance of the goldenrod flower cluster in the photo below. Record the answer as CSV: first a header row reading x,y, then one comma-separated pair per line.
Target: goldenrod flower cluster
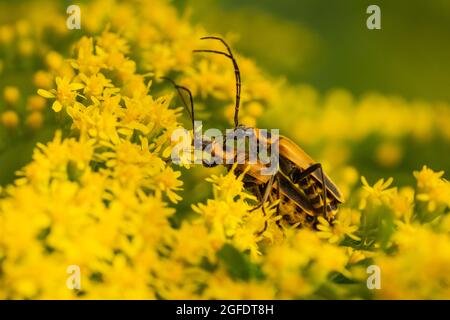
x,y
103,194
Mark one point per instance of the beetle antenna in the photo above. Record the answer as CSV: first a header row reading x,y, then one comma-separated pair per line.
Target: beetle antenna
x,y
191,100
237,73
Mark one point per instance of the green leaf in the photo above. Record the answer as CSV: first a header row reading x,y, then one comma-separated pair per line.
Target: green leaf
x,y
238,264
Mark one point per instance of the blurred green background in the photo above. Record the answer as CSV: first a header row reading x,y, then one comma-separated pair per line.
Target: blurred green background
x,y
327,44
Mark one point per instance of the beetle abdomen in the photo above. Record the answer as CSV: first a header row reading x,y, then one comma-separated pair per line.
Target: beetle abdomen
x,y
294,214
314,193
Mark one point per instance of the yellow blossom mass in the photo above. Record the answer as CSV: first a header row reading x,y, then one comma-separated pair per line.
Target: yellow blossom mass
x,y
100,192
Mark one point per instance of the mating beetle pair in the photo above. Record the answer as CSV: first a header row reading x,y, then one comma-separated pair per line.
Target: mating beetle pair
x,y
304,191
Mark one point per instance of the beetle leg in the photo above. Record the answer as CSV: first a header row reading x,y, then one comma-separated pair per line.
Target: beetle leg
x,y
307,172
264,199
260,205
278,193
267,191
259,196
279,198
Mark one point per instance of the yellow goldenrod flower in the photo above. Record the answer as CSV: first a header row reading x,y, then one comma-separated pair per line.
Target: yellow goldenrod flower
x,y
54,60
23,28
95,85
111,42
389,154
254,109
26,47
43,79
11,95
222,287
432,188
427,178
302,263
10,119
107,175
226,187
403,204
345,224
356,256
167,181
436,197
249,121
379,193
65,93
35,103
86,61
420,268
35,120
6,34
